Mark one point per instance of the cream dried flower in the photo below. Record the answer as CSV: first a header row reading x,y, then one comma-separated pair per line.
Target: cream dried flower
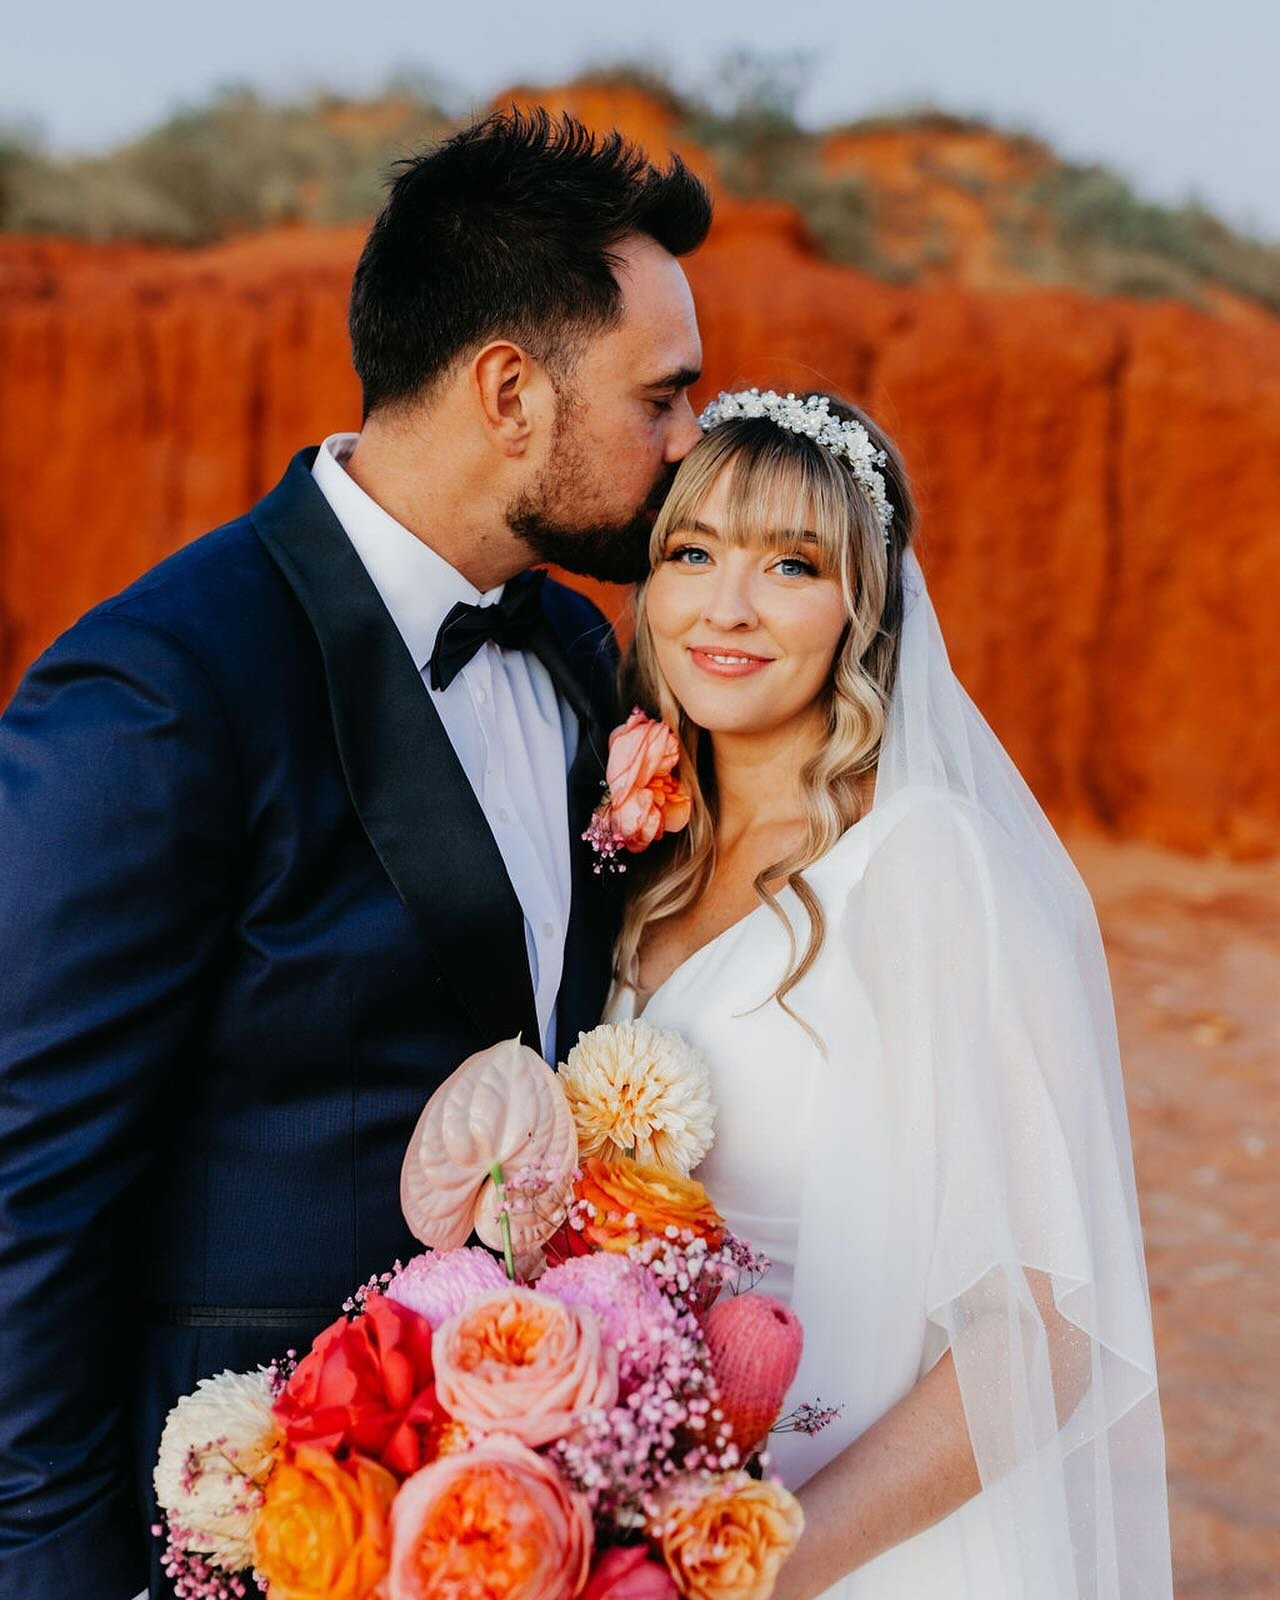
x,y
216,1453
641,1091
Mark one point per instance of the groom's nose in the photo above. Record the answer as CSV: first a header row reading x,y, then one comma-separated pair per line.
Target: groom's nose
x,y
684,432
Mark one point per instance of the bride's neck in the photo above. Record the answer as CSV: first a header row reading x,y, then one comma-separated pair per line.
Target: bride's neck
x,y
758,775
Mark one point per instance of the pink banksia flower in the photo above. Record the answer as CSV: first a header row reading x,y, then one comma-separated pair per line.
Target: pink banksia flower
x,y
755,1343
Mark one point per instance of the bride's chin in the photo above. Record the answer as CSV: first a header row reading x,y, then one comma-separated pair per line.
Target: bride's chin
x,y
720,719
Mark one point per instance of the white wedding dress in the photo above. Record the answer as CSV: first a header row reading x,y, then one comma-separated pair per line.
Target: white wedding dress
x,y
962,1124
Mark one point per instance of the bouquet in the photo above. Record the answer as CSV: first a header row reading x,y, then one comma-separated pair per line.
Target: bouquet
x,y
577,1406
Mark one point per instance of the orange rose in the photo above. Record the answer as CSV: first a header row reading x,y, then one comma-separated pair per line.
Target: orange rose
x,y
645,800
497,1523
366,1386
323,1530
522,1363
633,1202
728,1542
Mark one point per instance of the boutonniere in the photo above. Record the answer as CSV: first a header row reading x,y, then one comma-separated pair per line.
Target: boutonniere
x,y
644,797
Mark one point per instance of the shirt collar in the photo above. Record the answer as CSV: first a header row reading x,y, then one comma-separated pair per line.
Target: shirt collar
x,y
417,585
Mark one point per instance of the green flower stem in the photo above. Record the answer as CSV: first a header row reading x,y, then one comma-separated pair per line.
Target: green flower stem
x,y
504,1222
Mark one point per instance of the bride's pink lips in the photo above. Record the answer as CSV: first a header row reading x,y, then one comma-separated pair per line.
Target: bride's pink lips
x,y
742,664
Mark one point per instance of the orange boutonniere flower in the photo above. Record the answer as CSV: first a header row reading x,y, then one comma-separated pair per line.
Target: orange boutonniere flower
x,y
645,797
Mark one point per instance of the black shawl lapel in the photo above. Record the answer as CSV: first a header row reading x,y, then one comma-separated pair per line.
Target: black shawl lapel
x,y
584,671
411,794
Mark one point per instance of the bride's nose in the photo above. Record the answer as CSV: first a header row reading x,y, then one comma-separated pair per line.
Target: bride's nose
x,y
728,601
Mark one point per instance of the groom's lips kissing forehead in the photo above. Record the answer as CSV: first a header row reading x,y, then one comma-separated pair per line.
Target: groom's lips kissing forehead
x,y
727,661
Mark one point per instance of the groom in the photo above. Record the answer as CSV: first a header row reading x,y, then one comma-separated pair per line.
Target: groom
x,y
290,827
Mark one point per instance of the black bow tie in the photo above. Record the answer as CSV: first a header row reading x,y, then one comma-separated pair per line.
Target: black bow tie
x,y
509,623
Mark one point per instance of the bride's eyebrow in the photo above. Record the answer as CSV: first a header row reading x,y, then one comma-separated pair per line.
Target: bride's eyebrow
x,y
783,538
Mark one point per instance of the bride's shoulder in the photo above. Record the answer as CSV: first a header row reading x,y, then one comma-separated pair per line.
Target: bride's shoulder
x,y
909,822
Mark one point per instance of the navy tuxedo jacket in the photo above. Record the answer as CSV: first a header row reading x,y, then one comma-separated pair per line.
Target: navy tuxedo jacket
x,y
251,915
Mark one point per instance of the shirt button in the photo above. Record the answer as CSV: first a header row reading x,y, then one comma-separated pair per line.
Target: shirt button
x,y
482,695
504,817
548,930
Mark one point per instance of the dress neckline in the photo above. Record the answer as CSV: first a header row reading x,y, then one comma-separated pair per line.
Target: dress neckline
x,y
741,922
693,956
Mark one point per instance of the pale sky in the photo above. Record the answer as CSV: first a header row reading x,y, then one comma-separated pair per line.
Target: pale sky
x,y
1179,96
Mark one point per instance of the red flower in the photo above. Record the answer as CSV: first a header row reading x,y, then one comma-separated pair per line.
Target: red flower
x,y
629,1574
367,1386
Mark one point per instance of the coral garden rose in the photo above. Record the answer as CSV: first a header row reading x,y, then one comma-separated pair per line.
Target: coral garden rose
x,y
629,1574
323,1533
728,1541
522,1363
496,1523
367,1385
631,1202
645,800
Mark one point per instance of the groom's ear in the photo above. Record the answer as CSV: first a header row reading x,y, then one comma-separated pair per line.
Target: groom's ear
x,y
509,387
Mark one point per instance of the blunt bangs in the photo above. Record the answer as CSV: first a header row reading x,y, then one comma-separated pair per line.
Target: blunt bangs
x,y
783,487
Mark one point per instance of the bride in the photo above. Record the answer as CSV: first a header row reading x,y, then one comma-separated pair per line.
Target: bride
x,y
874,937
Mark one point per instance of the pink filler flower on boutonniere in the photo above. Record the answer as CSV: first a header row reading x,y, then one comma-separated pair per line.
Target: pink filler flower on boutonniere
x,y
645,799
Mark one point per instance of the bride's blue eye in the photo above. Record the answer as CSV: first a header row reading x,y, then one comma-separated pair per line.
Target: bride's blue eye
x,y
800,567
689,555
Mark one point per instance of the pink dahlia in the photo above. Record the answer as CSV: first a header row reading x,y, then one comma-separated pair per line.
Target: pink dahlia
x,y
440,1283
635,1317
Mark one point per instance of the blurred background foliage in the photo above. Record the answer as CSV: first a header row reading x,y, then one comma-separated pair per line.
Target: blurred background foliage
x,y
915,196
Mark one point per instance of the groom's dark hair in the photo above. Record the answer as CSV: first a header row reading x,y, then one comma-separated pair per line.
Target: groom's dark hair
x,y
508,230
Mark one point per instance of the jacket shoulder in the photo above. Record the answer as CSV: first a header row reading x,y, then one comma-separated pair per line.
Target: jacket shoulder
x,y
582,628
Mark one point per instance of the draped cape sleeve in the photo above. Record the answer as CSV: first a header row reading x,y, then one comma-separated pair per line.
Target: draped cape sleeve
x,y
972,984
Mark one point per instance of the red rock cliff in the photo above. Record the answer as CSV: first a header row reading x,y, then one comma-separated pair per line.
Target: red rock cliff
x,y
1099,478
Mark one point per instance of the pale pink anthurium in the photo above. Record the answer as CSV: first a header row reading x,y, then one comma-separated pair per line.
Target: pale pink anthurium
x,y
502,1106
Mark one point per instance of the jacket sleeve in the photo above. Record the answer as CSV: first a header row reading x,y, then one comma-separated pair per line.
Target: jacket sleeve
x,y
118,828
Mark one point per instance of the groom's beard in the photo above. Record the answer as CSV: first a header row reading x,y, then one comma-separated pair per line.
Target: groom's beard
x,y
551,519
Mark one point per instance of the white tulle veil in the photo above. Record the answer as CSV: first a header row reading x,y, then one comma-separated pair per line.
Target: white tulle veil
x,y
982,979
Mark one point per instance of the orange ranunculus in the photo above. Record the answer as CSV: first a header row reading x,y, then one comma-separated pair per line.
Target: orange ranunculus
x,y
523,1363
323,1531
727,1542
367,1385
633,1202
645,800
496,1523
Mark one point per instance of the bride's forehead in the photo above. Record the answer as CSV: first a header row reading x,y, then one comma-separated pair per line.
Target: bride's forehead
x,y
744,506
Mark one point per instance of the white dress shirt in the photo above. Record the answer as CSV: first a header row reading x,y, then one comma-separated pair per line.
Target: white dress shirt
x,y
512,734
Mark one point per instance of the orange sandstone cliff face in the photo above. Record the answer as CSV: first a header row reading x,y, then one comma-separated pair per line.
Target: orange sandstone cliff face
x,y
1099,479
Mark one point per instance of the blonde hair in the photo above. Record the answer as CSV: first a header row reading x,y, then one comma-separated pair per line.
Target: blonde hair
x,y
780,480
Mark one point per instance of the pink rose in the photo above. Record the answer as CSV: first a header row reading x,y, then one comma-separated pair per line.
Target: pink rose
x,y
495,1523
645,801
521,1363
630,1574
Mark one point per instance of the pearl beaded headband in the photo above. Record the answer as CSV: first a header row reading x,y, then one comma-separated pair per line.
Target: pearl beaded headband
x,y
812,418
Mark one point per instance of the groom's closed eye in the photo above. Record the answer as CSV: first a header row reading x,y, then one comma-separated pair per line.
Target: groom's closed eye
x,y
664,391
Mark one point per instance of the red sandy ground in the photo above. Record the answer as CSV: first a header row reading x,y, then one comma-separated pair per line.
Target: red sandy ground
x,y
1195,958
